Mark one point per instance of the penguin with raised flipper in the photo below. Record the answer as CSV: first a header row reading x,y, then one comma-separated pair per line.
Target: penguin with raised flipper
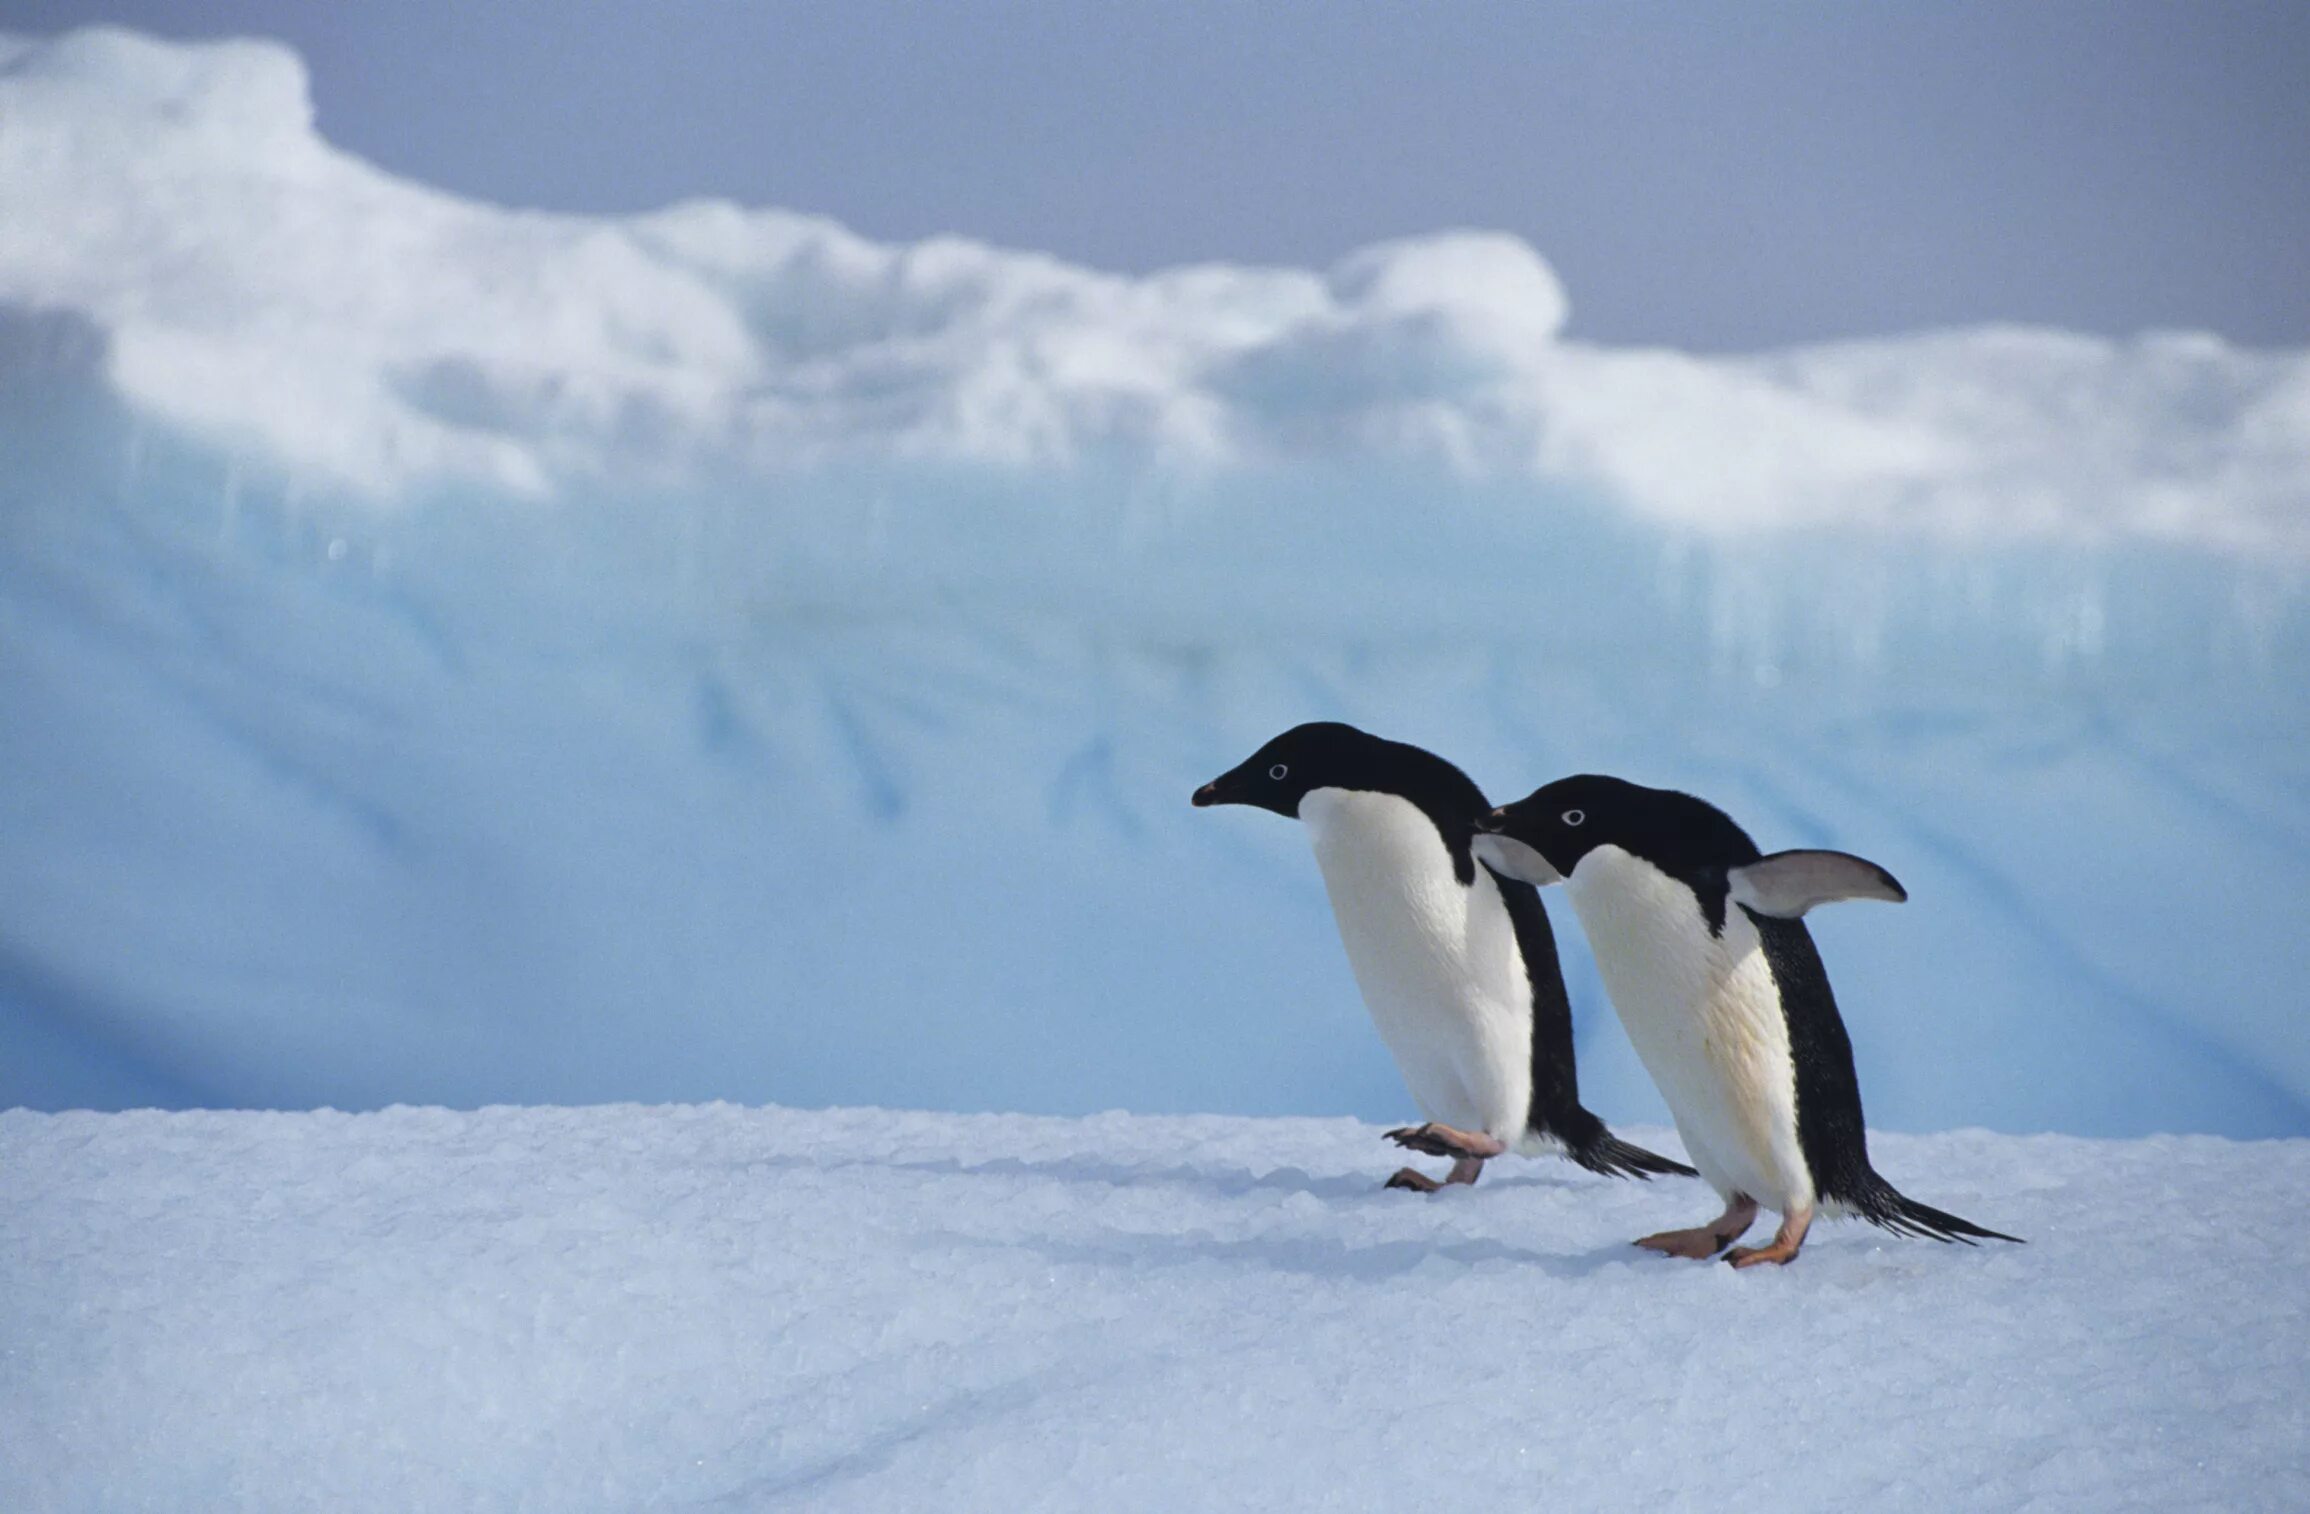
x,y
1701,943
1457,964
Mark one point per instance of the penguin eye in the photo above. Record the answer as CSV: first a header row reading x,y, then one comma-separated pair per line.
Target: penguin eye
x,y
1574,817
1277,772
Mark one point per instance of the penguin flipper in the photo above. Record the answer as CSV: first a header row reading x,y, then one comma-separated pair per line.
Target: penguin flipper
x,y
1606,1153
1786,884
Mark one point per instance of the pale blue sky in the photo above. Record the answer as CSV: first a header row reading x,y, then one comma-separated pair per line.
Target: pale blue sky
x,y
1706,176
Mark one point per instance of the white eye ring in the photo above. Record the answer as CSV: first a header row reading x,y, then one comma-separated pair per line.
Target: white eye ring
x,y
1573,817
1277,772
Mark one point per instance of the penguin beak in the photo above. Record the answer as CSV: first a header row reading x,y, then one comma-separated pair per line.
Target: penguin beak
x,y
1492,824
1207,796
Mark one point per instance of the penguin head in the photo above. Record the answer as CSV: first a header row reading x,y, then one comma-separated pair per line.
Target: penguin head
x,y
1283,772
1543,837
1329,755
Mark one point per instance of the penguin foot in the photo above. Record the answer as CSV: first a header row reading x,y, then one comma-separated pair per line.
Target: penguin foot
x,y
1465,1170
1699,1243
1704,1241
1787,1241
1443,1141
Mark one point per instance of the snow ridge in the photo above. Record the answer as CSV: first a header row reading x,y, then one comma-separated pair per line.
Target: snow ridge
x,y
371,336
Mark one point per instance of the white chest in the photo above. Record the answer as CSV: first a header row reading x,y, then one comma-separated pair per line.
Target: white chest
x,y
1436,960
1704,1016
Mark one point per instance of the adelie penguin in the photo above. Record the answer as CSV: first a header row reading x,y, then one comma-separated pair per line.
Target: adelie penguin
x,y
1702,946
1457,964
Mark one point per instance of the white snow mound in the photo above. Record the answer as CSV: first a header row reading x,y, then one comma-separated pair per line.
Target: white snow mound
x,y
372,336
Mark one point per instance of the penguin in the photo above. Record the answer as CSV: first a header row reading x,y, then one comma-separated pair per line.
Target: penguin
x,y
1701,942
1456,963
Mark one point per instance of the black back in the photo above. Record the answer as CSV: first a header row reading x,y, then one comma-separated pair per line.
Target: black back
x,y
1556,1108
1830,1129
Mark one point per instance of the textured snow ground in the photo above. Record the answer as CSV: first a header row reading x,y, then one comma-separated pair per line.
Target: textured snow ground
x,y
713,1307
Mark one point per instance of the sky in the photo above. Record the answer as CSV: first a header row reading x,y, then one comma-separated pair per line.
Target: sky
x,y
1715,178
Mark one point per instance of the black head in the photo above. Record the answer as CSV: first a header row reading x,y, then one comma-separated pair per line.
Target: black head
x,y
1570,818
1327,754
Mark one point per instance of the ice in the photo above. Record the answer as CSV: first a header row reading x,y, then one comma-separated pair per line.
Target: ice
x,y
459,655
623,1308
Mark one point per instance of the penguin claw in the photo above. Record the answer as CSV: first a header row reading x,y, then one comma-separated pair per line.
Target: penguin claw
x,y
1443,1141
1786,1243
1414,1179
1420,1138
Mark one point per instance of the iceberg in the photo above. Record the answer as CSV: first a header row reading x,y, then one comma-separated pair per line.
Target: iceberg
x,y
454,654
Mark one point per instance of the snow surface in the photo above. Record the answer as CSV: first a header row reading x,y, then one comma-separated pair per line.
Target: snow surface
x,y
714,1307
452,654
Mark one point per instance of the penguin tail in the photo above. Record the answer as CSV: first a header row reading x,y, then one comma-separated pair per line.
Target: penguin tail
x,y
1605,1152
1885,1206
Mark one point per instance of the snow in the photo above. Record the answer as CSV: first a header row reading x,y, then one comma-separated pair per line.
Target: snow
x,y
628,1307
453,654
374,336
